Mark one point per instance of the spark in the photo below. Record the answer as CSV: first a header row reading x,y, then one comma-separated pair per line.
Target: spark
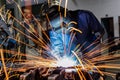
x,y
80,73
94,67
27,35
59,5
70,43
4,66
2,12
78,60
75,29
71,22
66,2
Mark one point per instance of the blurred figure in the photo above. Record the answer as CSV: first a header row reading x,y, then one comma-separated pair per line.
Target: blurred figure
x,y
31,25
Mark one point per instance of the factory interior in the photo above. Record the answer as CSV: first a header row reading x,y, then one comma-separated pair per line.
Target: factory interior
x,y
38,43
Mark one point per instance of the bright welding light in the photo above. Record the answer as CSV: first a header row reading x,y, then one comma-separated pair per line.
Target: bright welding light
x,y
70,70
66,62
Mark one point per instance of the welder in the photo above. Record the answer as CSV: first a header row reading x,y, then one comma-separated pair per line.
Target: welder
x,y
60,33
66,32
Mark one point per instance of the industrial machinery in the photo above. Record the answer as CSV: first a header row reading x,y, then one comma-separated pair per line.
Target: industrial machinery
x,y
58,73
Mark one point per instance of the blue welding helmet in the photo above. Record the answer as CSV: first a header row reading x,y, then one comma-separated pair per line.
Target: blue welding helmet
x,y
57,20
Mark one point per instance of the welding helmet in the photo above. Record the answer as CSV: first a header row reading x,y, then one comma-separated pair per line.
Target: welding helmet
x,y
57,21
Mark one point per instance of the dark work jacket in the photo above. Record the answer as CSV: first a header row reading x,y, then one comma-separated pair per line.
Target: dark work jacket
x,y
88,24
